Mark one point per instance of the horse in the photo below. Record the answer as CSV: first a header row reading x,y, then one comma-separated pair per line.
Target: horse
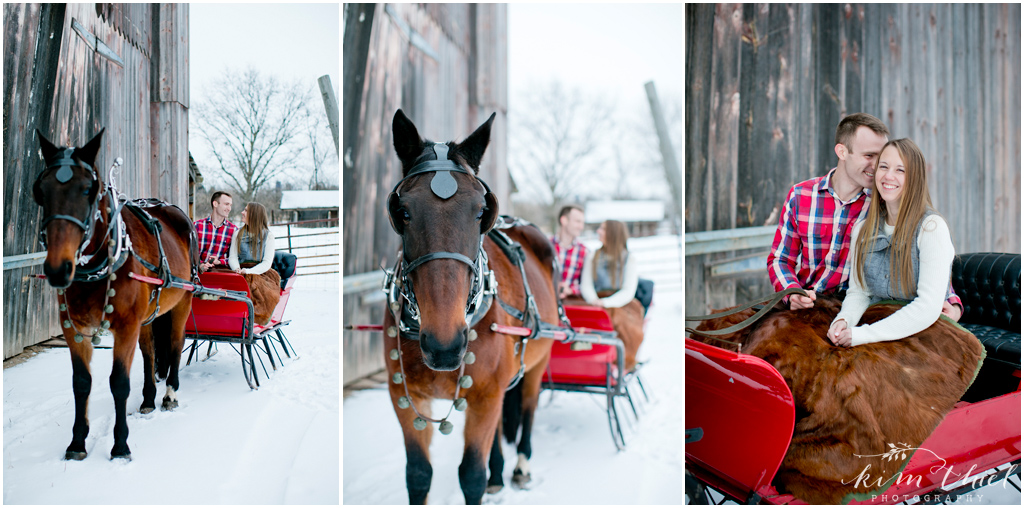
x,y
440,319
94,241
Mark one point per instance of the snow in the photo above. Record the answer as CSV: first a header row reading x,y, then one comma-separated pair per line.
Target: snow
x,y
574,460
224,444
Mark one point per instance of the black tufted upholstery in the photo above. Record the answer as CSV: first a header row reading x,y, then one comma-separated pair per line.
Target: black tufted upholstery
x,y
284,263
989,286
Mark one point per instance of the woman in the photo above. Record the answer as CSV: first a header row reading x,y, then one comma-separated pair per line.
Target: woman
x,y
252,254
901,251
609,280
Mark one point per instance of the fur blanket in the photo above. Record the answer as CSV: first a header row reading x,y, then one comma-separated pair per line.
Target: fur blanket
x,y
854,404
266,292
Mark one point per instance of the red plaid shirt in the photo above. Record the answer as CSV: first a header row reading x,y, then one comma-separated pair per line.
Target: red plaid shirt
x,y
214,241
812,243
572,263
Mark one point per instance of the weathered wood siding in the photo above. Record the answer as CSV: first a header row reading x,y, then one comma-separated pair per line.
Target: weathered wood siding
x,y
768,83
55,82
447,98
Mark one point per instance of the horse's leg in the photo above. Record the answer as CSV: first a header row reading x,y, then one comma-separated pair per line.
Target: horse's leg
x,y
418,471
81,384
178,320
125,341
530,396
496,465
482,417
148,357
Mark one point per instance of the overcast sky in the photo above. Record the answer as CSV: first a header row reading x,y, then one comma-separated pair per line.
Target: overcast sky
x,y
289,41
607,50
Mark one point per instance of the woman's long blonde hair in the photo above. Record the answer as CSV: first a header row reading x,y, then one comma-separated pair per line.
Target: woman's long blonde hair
x,y
614,248
255,223
914,202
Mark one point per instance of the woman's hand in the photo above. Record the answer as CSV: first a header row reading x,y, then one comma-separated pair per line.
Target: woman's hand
x,y
240,271
840,334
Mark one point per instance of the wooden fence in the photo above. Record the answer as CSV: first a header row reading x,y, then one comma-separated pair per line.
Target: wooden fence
x,y
766,86
444,65
57,79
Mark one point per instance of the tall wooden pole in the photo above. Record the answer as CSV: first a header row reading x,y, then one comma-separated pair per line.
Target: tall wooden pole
x,y
331,105
668,155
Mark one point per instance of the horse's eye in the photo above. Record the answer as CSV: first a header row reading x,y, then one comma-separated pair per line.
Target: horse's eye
x,y
481,214
85,190
405,215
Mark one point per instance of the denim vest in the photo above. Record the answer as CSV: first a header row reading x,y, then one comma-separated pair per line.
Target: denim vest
x,y
246,248
876,265
603,276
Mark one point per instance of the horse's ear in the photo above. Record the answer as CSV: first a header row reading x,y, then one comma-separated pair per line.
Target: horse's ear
x,y
472,148
88,152
46,146
408,144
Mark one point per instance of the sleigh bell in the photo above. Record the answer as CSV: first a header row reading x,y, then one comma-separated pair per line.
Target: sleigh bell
x,y
419,423
446,427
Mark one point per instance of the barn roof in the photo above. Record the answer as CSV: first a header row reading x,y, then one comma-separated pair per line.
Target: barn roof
x,y
296,200
625,211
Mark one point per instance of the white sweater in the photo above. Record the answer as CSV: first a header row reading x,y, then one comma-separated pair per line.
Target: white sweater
x,y
621,297
268,254
936,249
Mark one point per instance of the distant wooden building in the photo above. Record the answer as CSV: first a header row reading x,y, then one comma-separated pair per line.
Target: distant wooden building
x,y
309,205
445,66
642,217
69,71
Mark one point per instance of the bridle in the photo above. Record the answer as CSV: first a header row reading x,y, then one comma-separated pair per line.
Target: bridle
x,y
63,161
120,245
397,282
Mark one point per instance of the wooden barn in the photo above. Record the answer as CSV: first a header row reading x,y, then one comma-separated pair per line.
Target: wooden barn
x,y
69,71
767,84
445,66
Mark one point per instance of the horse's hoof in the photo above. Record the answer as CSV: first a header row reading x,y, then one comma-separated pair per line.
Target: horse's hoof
x,y
146,409
494,489
169,404
121,452
520,480
124,459
70,455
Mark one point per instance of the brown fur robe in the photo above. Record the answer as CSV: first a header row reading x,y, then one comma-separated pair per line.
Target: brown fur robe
x,y
628,323
266,292
859,400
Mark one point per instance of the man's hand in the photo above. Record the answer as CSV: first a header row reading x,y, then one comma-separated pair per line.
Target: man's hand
x,y
205,266
802,302
840,334
563,290
953,311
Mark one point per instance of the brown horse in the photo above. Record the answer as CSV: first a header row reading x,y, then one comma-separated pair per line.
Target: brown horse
x,y
441,291
93,241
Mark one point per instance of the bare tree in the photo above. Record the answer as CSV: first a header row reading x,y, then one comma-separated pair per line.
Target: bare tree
x,y
320,152
253,125
555,141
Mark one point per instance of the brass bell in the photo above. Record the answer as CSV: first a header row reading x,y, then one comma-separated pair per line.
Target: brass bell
x,y
60,291
105,324
113,276
446,427
79,338
393,354
111,292
470,358
419,423
95,340
461,404
397,378
403,402
63,307
466,381
108,309
67,323
392,332
471,335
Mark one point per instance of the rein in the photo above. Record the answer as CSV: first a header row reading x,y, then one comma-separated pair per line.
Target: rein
x,y
769,302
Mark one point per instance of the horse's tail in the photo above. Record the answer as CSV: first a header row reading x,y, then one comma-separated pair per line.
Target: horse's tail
x,y
512,412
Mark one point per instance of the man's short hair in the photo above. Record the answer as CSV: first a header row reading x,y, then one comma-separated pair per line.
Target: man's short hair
x,y
217,195
568,208
848,127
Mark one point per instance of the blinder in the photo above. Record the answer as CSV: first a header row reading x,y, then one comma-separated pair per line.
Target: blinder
x,y
443,185
63,161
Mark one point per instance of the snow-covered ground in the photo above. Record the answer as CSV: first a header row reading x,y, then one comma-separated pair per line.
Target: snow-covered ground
x,y
574,461
225,444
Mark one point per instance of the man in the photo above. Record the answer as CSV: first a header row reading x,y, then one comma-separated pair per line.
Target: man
x,y
215,233
571,252
812,242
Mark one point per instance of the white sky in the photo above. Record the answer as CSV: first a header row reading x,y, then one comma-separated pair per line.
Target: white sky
x,y
607,50
288,41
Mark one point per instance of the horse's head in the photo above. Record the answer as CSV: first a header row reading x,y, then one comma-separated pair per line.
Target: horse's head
x,y
441,210
68,189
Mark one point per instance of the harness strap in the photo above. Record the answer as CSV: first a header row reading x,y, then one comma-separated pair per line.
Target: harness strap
x,y
441,255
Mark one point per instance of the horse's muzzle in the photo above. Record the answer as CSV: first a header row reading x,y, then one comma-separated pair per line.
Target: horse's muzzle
x,y
443,355
59,277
